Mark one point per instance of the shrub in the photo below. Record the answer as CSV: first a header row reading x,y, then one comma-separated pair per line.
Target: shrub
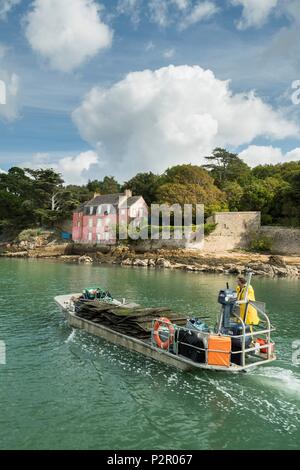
x,y
27,234
261,244
209,228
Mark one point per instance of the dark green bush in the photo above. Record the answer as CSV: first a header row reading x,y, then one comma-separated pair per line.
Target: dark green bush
x,y
209,228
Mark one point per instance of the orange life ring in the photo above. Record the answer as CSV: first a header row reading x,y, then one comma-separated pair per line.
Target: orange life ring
x,y
157,325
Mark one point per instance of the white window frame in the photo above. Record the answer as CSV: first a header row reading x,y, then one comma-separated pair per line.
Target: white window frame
x,y
90,237
90,223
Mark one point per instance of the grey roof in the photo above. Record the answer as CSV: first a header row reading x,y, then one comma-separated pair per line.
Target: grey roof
x,y
112,199
105,199
130,201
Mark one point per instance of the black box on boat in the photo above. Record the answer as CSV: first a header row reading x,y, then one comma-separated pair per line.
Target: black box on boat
x,y
191,341
236,329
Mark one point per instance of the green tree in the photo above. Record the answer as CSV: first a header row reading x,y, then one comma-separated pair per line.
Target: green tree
x,y
234,193
260,195
225,166
44,184
26,197
144,184
190,184
108,185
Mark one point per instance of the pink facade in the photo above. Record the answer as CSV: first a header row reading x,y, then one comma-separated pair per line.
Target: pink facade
x,y
96,221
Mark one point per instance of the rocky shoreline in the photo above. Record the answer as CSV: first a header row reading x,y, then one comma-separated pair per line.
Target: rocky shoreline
x,y
191,261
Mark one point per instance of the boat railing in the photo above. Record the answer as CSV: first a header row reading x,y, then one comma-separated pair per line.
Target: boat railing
x,y
268,345
173,346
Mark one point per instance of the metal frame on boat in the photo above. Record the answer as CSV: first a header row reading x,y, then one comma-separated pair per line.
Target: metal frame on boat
x,y
250,356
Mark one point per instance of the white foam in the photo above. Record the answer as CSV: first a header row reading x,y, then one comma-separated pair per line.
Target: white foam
x,y
71,336
281,378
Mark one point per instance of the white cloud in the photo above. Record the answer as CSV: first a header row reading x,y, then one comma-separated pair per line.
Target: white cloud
x,y
3,50
167,12
2,171
284,50
255,12
149,46
6,6
159,12
10,84
181,4
153,119
201,11
261,155
66,33
293,155
131,8
74,169
169,53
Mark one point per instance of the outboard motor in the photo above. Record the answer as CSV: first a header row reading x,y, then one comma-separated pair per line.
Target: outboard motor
x,y
227,298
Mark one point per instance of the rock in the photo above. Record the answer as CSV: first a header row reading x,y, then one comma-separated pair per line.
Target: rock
x,y
288,271
127,262
190,268
218,269
151,263
260,273
120,251
278,261
85,259
163,263
292,271
18,254
236,270
70,258
178,266
140,262
267,269
281,272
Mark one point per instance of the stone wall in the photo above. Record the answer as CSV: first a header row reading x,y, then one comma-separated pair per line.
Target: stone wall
x,y
233,230
172,244
285,241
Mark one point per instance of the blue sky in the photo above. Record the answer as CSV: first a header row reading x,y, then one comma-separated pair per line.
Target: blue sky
x,y
53,54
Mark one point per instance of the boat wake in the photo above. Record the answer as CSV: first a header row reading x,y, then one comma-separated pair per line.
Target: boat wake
x,y
283,379
71,336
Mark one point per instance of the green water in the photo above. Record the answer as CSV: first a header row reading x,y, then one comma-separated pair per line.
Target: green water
x,y
67,390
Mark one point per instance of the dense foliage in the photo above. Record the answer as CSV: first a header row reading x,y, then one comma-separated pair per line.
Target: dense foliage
x,y
35,198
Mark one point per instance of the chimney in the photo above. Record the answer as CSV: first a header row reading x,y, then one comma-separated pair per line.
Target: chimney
x,y
128,193
96,194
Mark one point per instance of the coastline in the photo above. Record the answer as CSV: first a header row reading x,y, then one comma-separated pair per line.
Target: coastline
x,y
235,262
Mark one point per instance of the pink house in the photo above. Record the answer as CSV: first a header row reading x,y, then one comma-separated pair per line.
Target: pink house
x,y
96,220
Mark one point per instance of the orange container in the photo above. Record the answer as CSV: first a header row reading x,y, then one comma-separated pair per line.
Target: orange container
x,y
262,342
219,349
